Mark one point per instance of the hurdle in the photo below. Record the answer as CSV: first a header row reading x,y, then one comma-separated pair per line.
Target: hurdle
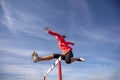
x,y
58,61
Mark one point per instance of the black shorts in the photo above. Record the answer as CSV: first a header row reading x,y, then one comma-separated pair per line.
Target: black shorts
x,y
67,57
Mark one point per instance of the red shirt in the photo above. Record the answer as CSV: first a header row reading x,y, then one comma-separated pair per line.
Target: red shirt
x,y
63,45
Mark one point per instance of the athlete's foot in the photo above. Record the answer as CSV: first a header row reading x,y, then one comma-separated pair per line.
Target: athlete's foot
x,y
81,59
34,56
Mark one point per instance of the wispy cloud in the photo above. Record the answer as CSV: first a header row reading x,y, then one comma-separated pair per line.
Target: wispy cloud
x,y
105,35
23,22
23,71
24,26
94,72
8,19
22,52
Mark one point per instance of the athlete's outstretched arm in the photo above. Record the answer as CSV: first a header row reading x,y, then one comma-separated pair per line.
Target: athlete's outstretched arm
x,y
71,43
52,32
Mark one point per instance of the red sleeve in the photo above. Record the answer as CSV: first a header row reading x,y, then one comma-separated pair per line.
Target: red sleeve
x,y
72,43
53,33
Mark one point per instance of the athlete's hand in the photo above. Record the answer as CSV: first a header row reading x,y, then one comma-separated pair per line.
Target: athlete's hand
x,y
73,43
46,28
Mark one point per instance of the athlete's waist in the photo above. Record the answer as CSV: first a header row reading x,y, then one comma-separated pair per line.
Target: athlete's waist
x,y
66,51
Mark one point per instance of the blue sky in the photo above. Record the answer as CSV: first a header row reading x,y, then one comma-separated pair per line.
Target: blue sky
x,y
94,26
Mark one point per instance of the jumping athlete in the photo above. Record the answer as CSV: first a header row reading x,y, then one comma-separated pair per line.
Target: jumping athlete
x,y
67,53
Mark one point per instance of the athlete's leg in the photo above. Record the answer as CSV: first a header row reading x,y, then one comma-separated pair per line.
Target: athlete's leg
x,y
58,55
36,58
77,59
74,59
70,59
45,58
50,57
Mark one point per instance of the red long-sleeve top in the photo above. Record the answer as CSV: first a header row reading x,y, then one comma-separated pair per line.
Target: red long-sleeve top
x,y
63,45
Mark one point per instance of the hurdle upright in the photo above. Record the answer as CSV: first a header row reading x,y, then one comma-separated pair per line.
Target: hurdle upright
x,y
58,61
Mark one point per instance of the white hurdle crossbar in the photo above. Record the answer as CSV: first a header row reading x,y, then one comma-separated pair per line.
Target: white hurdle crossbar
x,y
58,61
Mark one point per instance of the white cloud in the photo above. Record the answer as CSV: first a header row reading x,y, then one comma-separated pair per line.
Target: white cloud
x,y
101,34
21,24
107,60
22,52
24,71
8,19
24,22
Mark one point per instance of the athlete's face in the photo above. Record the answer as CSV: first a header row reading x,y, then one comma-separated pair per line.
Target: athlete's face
x,y
64,36
61,36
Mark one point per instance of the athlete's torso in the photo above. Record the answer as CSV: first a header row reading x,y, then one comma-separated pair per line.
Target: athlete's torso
x,y
63,44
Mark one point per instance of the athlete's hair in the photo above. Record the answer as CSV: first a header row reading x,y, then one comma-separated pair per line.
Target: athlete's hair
x,y
63,36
